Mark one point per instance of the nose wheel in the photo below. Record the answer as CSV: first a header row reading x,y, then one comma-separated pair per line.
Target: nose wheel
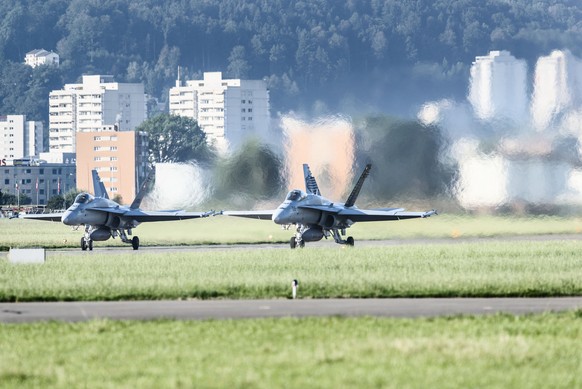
x,y
86,244
293,243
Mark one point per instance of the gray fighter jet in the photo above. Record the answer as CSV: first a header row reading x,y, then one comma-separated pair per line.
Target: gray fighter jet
x,y
316,217
104,218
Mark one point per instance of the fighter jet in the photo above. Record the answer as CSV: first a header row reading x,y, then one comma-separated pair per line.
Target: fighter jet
x,y
315,217
104,218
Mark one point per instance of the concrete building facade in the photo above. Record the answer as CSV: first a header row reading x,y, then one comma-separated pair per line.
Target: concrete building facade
x,y
89,106
227,110
39,182
19,138
120,158
41,57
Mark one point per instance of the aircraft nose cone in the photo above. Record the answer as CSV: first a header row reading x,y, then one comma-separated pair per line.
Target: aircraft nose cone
x,y
67,218
278,216
281,216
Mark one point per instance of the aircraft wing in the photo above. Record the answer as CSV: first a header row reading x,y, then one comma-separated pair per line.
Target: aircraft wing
x,y
261,215
369,215
160,216
52,217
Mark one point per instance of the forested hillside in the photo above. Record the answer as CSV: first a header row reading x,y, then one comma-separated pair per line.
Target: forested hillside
x,y
368,53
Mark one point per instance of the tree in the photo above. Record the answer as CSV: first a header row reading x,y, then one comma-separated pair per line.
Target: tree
x,y
175,138
253,171
408,154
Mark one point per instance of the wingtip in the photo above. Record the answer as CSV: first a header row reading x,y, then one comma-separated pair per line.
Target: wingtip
x,y
430,213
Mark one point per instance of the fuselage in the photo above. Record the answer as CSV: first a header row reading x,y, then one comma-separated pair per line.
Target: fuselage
x,y
82,212
290,211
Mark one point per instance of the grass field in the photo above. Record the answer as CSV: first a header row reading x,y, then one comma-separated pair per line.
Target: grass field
x,y
527,268
223,229
542,351
536,351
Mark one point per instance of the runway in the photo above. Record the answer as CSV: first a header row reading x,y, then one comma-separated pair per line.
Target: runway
x,y
321,244
246,309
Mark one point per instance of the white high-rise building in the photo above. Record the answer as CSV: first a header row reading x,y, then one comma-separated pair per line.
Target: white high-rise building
x,y
498,87
97,102
19,138
228,111
557,87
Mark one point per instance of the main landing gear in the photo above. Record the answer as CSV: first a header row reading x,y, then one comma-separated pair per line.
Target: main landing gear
x,y
298,241
104,234
134,241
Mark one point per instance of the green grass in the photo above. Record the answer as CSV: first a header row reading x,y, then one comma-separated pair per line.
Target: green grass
x,y
443,270
228,230
541,351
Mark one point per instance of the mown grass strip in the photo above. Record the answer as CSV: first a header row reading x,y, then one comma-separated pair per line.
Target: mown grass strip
x,y
524,269
541,351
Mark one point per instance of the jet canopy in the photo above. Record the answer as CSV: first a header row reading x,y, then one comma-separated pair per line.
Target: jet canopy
x,y
83,198
295,195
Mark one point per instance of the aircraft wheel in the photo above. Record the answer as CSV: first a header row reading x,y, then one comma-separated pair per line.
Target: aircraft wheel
x,y
293,243
135,242
302,244
350,241
83,244
90,245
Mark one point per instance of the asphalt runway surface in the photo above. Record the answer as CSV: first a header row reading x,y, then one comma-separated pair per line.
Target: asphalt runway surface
x,y
321,244
246,309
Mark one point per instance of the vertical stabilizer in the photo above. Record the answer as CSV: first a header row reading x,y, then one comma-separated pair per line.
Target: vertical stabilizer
x,y
310,183
356,191
98,187
143,189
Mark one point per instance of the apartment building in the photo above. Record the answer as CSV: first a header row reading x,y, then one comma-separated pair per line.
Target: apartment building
x,y
120,158
89,106
227,110
498,87
19,138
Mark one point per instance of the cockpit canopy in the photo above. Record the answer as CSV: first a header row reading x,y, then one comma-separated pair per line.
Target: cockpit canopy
x,y
295,195
83,198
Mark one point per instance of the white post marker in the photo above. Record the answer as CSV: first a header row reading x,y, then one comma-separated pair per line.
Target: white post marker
x,y
294,288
